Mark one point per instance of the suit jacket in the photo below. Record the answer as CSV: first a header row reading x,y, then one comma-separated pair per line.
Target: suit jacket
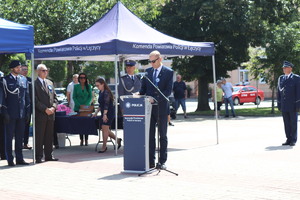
x,y
288,94
44,98
16,101
82,97
165,84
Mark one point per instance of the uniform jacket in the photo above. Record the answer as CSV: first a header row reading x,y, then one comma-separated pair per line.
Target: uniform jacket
x,y
165,84
16,101
129,85
288,94
44,99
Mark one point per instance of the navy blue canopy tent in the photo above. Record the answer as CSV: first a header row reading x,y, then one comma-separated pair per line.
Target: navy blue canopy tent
x,y
120,35
16,38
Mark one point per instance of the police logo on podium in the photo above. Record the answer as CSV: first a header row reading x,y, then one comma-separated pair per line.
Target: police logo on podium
x,y
127,105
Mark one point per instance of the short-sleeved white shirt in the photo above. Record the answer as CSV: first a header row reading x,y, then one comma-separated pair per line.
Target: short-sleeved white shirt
x,y
227,89
70,89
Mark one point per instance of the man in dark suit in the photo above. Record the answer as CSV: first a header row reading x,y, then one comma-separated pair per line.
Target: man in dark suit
x,y
162,77
16,109
288,102
45,105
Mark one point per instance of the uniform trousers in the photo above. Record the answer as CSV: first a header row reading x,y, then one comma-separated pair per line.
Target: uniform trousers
x,y
162,123
44,138
290,120
2,139
15,128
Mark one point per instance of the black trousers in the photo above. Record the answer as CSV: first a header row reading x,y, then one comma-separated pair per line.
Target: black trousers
x,y
2,139
162,122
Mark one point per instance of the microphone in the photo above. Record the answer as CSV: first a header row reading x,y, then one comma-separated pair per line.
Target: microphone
x,y
144,75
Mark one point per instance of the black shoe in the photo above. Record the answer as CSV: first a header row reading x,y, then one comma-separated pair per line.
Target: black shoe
x,y
151,166
52,159
233,115
286,143
119,143
11,164
3,157
56,146
22,162
26,146
102,151
185,116
226,116
292,144
38,161
171,124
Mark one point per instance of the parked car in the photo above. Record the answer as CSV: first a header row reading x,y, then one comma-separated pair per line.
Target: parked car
x,y
247,94
61,94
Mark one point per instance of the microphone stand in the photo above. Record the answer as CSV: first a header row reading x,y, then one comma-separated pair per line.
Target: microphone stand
x,y
158,166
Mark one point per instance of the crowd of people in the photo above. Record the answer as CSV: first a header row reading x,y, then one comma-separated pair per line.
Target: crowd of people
x,y
16,111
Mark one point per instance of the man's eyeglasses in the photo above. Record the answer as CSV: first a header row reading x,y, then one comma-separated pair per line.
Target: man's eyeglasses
x,y
82,77
44,70
24,70
153,61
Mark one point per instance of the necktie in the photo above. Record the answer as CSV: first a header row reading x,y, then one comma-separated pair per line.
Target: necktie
x,y
154,77
45,87
132,77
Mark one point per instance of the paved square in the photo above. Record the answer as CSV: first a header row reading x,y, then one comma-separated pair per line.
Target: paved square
x,y
248,163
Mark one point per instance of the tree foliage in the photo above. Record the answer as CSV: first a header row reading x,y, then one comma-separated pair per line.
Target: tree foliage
x,y
224,22
96,69
232,25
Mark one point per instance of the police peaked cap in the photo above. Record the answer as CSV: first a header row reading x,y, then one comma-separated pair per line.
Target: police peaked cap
x,y
287,64
129,63
14,64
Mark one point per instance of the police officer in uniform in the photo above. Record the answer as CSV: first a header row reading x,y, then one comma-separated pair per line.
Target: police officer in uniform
x,y
16,110
2,142
129,83
288,101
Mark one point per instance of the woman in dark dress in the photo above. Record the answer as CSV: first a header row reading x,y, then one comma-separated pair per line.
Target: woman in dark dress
x,y
106,107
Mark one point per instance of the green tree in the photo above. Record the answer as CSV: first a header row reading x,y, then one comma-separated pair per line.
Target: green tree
x,y
232,25
224,22
57,70
280,39
96,69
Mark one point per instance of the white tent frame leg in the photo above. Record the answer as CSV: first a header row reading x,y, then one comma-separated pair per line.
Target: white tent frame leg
x,y
116,103
215,99
33,108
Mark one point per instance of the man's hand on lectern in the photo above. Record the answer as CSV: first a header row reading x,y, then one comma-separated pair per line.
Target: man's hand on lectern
x,y
136,95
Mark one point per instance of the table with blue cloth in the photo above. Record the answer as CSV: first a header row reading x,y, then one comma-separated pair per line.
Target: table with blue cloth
x,y
82,125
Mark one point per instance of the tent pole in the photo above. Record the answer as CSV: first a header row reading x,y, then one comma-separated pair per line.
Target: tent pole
x,y
215,95
116,103
33,106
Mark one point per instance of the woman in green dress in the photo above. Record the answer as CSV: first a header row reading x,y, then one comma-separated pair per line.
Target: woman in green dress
x,y
82,95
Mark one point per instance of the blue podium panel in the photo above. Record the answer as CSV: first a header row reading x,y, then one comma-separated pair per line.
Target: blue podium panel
x,y
136,134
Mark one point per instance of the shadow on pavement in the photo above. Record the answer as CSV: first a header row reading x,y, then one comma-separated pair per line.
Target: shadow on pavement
x,y
275,148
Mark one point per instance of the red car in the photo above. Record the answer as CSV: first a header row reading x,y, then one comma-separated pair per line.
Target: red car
x,y
247,94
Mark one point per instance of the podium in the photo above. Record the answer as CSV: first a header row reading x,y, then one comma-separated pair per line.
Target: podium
x,y
136,116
